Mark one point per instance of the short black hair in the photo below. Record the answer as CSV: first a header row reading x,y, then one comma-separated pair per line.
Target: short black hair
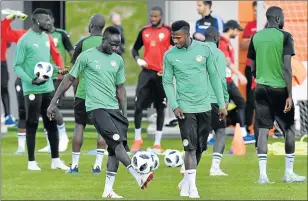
x,y
208,3
254,3
273,11
159,9
210,33
39,11
50,13
180,25
110,31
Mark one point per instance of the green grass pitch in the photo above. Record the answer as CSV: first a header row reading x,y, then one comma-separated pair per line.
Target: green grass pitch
x,y
20,184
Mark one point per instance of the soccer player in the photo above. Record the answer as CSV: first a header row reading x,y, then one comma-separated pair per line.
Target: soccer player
x,y
270,51
32,48
103,72
231,30
191,64
156,39
207,20
62,41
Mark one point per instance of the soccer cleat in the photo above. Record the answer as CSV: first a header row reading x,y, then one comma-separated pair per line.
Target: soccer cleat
x,y
249,139
157,149
293,178
32,165
63,143
136,145
20,151
72,171
194,193
59,165
9,121
211,141
183,187
45,149
97,170
145,179
217,172
263,179
182,170
111,195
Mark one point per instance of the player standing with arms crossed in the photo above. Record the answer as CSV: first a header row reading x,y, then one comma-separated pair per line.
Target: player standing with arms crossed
x,y
106,103
191,64
32,48
270,51
156,39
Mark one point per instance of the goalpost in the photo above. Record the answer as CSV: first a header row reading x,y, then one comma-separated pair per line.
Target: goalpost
x,y
295,23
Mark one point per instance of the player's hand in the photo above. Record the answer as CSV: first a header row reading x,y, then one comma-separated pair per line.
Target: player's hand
x,y
160,73
142,63
243,79
199,36
51,111
63,71
222,114
38,81
178,113
288,105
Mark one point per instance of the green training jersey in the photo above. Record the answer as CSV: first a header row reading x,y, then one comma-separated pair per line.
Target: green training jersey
x,y
83,45
219,60
194,71
101,73
267,48
32,48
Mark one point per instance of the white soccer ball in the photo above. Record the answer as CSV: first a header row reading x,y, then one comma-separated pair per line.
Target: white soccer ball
x,y
142,162
173,159
155,161
44,70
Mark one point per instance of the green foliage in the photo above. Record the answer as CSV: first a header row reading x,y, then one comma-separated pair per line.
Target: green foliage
x,y
134,17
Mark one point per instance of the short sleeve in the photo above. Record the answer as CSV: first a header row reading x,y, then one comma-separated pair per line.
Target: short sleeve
x,y
251,50
247,31
120,79
288,44
225,49
79,66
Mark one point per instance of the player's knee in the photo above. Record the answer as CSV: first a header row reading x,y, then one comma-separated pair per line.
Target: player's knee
x,y
138,108
31,124
51,126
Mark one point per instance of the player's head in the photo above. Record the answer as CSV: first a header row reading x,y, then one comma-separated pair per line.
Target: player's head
x,y
204,7
156,16
232,27
275,16
254,5
115,18
52,19
96,23
41,19
180,33
111,39
212,35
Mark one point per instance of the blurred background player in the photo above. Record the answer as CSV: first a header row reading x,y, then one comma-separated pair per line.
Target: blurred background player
x,y
191,105
106,103
204,8
249,30
95,27
116,21
63,42
32,48
271,64
156,39
231,30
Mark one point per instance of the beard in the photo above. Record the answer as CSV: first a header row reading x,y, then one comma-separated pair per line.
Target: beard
x,y
232,36
156,25
281,26
46,29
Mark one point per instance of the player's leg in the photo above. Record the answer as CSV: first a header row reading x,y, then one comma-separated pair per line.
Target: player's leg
x,y
286,125
53,135
249,109
219,127
142,101
265,119
33,110
108,126
9,120
22,117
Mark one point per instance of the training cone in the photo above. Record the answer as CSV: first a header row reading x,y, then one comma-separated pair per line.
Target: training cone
x,y
238,146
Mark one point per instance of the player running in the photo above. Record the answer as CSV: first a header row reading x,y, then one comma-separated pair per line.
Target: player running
x,y
191,64
96,25
271,64
156,39
62,41
32,48
106,103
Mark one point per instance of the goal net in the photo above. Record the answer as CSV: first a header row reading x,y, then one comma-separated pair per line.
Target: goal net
x,y
295,23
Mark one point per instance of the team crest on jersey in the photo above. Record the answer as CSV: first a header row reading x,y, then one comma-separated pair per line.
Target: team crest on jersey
x,y
55,40
153,43
199,58
161,36
98,67
47,44
113,63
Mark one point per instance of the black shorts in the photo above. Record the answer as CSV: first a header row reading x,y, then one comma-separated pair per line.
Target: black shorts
x,y
150,90
4,74
270,103
81,116
56,83
215,122
21,104
112,126
194,130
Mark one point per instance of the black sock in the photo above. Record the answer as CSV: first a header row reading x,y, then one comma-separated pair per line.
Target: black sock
x,y
30,138
53,138
5,100
137,118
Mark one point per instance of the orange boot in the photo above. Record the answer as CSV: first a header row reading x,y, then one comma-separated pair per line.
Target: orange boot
x,y
136,145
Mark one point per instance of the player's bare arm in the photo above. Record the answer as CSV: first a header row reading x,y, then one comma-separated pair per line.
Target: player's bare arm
x,y
121,96
288,79
234,70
